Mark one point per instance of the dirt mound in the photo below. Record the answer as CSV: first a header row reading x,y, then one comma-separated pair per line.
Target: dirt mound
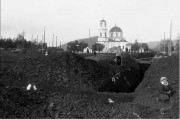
x,y
72,71
148,91
67,85
67,69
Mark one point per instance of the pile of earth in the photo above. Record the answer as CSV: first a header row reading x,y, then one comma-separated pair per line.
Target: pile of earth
x,y
148,90
71,71
67,86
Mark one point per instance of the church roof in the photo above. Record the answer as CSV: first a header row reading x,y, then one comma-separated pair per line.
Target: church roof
x,y
115,29
123,40
103,20
129,44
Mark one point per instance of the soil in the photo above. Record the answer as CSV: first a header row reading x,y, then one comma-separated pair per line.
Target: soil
x,y
148,90
68,87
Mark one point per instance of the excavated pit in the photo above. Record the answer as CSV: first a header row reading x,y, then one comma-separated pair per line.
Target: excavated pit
x,y
126,81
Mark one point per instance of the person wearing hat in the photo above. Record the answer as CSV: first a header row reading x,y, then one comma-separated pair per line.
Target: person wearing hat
x,y
165,90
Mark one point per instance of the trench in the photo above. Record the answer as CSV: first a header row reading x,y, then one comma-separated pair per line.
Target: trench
x,y
127,82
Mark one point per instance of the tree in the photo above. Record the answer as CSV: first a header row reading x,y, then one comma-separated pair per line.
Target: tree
x,y
97,47
21,40
135,46
145,47
82,45
72,46
76,46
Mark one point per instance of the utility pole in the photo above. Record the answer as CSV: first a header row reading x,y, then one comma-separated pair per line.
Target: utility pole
x,y
0,20
164,44
56,41
44,35
60,44
89,32
37,38
53,40
170,38
32,38
42,43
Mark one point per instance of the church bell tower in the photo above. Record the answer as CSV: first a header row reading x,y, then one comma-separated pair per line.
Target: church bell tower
x,y
103,31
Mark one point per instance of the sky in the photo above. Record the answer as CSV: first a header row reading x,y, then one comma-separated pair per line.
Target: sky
x,y
144,20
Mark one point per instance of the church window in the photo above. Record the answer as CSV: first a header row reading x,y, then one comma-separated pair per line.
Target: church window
x,y
100,34
123,47
116,34
105,34
111,34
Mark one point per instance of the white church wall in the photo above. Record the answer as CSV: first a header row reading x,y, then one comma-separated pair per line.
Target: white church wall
x,y
103,25
103,33
115,36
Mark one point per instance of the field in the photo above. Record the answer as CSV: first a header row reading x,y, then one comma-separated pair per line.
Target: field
x,y
75,94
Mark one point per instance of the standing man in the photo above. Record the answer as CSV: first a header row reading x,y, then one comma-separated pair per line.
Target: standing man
x,y
119,56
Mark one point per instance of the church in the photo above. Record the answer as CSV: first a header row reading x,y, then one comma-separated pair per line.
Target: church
x,y
113,38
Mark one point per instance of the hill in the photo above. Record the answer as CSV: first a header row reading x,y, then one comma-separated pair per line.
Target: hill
x,y
90,41
155,44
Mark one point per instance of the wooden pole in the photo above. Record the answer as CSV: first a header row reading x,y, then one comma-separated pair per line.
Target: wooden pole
x,y
0,20
37,38
60,44
44,35
164,43
56,41
42,44
89,32
53,40
170,38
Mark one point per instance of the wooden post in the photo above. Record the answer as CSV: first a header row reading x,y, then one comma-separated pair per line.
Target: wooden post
x,y
164,43
60,44
37,38
56,41
170,38
53,40
42,44
44,35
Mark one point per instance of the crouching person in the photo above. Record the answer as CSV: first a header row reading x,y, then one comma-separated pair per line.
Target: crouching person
x,y
165,90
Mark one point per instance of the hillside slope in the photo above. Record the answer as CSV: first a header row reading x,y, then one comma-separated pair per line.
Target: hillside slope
x,y
90,41
148,91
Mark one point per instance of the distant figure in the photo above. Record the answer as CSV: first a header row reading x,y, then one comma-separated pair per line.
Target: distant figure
x,y
119,56
46,53
94,53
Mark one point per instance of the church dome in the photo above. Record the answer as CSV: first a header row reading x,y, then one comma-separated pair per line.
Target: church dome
x,y
103,20
115,29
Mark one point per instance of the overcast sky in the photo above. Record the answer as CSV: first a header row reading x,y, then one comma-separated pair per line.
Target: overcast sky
x,y
145,20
